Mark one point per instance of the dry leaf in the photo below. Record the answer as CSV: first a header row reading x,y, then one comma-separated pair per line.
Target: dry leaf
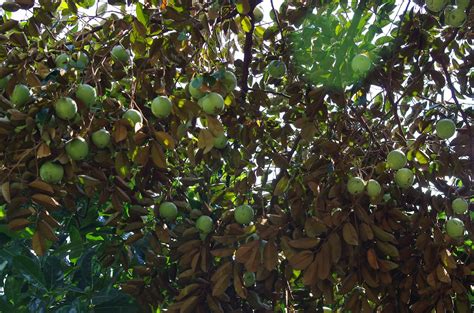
x,y
349,234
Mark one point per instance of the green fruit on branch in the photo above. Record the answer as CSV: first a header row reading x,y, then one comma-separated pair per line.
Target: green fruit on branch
x,y
244,214
229,81
445,128
161,107
51,172
87,94
120,54
66,108
373,188
212,103
455,228
257,15
404,178
396,159
463,4
436,5
361,64
77,149
220,142
101,138
168,211
204,224
4,82
249,279
195,88
276,69
133,116
82,60
455,17
355,185
21,94
460,206
62,61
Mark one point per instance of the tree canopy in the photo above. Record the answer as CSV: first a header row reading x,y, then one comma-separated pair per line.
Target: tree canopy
x,y
236,156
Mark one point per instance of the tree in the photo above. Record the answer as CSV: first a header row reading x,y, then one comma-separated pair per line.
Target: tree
x,y
273,116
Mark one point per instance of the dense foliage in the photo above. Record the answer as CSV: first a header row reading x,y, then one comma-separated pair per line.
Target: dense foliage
x,y
138,174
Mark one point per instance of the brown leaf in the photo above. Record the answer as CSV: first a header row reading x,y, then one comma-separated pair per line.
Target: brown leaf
x,y
372,259
42,186
43,151
38,244
311,274
120,132
369,278
158,156
214,126
238,286
6,192
133,226
205,140
246,251
219,287
334,243
44,215
323,260
46,231
18,224
443,274
187,290
222,252
270,256
447,259
133,238
162,234
304,243
349,234
45,200
387,249
224,270
165,140
386,265
189,305
214,304
301,260
20,213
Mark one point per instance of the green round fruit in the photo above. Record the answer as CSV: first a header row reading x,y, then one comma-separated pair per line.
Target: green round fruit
x,y
455,17
327,309
436,5
119,53
460,206
257,15
204,224
212,103
82,60
404,178
21,94
445,128
373,188
4,82
87,94
101,138
244,214
249,279
463,4
77,149
168,211
455,227
361,63
220,142
51,172
229,81
161,107
276,69
62,61
194,88
355,185
396,159
66,108
133,116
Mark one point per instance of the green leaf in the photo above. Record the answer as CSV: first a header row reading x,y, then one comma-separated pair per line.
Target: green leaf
x,y
246,24
86,3
30,269
141,15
